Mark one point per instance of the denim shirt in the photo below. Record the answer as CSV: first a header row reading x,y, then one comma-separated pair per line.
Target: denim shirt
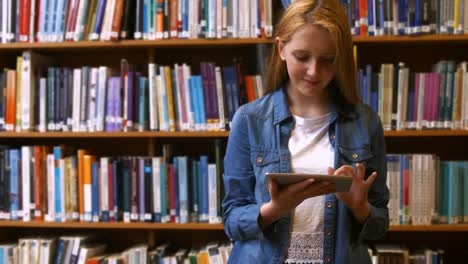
x,y
258,143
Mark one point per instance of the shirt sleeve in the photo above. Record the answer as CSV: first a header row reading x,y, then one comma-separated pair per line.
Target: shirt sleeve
x,y
377,223
240,209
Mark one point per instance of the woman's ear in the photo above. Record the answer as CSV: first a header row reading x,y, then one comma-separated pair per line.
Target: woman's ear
x,y
280,47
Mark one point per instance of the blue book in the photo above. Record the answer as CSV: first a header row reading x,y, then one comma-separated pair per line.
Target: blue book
x,y
185,18
95,193
14,186
141,188
51,22
43,20
126,189
148,189
143,104
417,17
195,194
371,17
59,184
380,18
183,189
59,19
193,101
201,101
163,183
204,213
176,189
444,193
146,10
228,93
99,19
402,19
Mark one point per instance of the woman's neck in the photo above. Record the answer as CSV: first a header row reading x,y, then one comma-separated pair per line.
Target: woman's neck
x,y
307,106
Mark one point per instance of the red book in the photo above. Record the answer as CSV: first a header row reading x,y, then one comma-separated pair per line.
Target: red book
x,y
25,13
117,19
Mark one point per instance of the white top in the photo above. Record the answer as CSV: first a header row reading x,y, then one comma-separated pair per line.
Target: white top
x,y
311,152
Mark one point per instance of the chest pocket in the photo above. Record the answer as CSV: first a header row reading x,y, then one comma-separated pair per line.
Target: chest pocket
x,y
264,161
356,155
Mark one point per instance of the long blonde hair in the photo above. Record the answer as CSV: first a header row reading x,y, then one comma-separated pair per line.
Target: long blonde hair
x,y
330,16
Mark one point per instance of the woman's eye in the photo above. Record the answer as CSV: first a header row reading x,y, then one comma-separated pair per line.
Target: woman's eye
x,y
328,59
301,58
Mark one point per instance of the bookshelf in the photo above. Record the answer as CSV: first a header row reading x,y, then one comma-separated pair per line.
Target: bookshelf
x,y
420,52
448,144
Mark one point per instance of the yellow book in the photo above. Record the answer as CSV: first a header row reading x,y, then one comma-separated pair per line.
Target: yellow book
x,y
456,16
170,100
19,67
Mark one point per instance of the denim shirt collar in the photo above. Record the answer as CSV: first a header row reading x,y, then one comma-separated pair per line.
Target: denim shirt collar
x,y
281,110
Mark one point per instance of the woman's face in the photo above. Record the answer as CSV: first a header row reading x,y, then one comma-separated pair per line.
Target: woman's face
x,y
309,57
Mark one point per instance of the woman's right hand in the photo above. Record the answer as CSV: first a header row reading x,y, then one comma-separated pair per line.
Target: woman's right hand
x,y
285,199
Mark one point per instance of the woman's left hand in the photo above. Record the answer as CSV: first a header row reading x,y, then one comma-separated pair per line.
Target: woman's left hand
x,y
356,198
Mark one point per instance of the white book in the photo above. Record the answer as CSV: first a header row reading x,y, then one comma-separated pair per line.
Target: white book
x,y
24,251
26,182
153,97
212,195
105,33
219,18
104,187
402,91
101,97
254,31
5,21
46,250
235,18
76,100
161,99
50,172
88,190
269,18
92,103
156,173
27,92
244,20
80,20
220,93
42,127
178,84
190,125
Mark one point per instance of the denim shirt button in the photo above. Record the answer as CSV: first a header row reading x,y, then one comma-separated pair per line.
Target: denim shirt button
x,y
328,259
332,136
259,159
329,205
355,156
329,233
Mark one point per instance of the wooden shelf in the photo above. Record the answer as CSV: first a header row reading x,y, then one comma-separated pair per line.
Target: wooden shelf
x,y
211,134
132,44
200,226
430,228
426,133
167,43
422,39
117,225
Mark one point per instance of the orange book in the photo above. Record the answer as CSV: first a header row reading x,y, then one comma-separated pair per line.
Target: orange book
x,y
249,88
10,117
159,18
87,187
80,158
173,18
170,100
117,19
363,17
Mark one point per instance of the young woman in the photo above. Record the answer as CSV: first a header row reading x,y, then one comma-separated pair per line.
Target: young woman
x,y
311,120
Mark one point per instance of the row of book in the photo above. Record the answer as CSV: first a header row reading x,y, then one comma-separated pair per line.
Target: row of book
x,y
58,184
85,249
417,100
407,17
391,253
102,99
78,20
425,190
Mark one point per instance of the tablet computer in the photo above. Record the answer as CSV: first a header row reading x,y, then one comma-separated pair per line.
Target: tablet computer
x,y
342,183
